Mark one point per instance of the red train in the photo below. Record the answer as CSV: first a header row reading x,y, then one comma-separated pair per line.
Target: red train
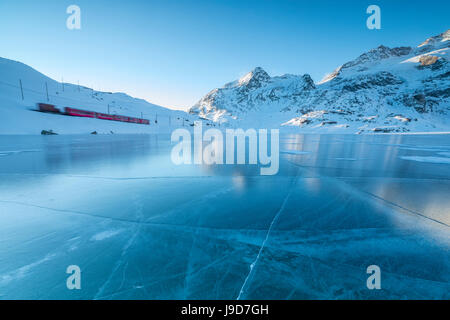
x,y
44,107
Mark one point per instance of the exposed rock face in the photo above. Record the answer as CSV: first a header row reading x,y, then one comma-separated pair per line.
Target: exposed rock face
x,y
378,54
48,133
379,79
428,60
389,89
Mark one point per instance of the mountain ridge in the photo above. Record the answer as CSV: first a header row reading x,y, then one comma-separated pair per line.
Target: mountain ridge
x,y
400,89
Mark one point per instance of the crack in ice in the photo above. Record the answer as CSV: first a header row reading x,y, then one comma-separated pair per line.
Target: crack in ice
x,y
125,249
274,220
341,182
405,209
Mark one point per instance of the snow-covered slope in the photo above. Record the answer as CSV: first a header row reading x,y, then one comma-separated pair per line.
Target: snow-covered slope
x,y
17,115
400,89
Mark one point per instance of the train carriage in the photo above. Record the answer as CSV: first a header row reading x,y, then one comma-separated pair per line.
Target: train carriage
x,y
45,107
105,116
79,113
49,108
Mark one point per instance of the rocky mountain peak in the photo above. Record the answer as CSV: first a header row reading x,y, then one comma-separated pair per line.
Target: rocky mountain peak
x,y
255,78
379,53
309,82
446,35
443,37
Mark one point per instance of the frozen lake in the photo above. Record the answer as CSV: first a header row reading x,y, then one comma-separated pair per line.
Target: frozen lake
x,y
140,227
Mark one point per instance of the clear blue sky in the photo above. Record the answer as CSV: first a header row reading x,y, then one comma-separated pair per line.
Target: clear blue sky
x,y
173,52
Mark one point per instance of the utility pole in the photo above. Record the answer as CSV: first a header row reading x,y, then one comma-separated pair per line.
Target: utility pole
x,y
21,88
46,90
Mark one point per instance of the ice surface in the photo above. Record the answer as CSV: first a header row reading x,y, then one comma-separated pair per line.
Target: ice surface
x,y
427,159
142,228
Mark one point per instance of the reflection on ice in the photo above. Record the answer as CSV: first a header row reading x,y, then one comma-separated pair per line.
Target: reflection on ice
x,y
142,228
427,159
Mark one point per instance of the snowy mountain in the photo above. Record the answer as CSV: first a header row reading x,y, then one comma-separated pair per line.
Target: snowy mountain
x,y
18,115
400,89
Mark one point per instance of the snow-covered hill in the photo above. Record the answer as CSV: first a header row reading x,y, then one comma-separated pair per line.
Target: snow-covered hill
x,y
17,115
400,89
